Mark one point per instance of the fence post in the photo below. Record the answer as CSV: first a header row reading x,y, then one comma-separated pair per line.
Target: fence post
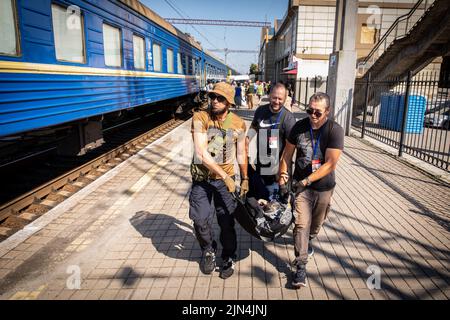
x,y
366,103
404,115
306,91
299,94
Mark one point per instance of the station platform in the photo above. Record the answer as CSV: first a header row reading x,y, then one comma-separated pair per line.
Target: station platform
x,y
128,235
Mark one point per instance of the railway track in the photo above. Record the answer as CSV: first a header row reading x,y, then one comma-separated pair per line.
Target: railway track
x,y
20,211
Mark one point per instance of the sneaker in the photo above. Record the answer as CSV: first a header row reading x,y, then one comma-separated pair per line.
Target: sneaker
x,y
310,250
208,263
299,279
227,269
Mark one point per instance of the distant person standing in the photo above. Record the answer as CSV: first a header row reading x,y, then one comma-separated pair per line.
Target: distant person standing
x,y
238,96
268,87
259,91
249,95
210,86
319,142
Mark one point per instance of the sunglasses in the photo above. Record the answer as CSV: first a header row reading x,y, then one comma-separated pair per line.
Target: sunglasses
x,y
311,112
213,96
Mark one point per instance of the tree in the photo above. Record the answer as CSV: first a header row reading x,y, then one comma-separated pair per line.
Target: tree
x,y
254,69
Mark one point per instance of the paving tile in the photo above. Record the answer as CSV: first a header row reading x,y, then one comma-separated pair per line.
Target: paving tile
x,y
380,218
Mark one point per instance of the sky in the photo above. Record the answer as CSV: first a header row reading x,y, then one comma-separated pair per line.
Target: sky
x,y
220,37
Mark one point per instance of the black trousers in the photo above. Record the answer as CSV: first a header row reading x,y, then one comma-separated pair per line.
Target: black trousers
x,y
207,198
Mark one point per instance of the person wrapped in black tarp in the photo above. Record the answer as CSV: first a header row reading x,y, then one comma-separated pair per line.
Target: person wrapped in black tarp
x,y
265,219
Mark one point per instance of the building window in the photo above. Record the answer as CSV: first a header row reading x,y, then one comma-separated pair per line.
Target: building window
x,y
179,65
9,44
368,34
157,61
170,60
139,52
112,44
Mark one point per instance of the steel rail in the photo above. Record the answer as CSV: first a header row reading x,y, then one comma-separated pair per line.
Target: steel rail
x,y
22,202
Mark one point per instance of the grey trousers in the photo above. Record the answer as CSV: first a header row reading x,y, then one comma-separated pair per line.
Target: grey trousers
x,y
311,210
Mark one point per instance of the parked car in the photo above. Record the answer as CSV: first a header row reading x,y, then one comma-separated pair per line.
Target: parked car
x,y
438,119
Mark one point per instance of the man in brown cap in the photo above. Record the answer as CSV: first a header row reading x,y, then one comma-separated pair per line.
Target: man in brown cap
x,y
219,136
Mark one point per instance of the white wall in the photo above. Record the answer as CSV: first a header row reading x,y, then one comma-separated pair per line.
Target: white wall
x,y
312,68
315,29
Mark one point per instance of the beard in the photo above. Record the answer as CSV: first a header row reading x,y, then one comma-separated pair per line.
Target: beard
x,y
216,112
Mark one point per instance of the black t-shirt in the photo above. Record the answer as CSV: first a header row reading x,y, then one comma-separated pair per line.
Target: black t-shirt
x,y
272,131
331,136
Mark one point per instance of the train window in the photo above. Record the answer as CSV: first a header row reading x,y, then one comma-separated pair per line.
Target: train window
x,y
188,64
193,66
179,65
68,34
157,62
138,52
112,44
8,26
170,60
183,62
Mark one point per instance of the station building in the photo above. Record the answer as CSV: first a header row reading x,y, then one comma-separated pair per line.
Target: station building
x,y
299,45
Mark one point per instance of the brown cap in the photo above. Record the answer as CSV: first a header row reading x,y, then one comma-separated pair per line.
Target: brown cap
x,y
225,90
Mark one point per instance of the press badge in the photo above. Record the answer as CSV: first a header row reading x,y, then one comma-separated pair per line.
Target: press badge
x,y
273,142
315,165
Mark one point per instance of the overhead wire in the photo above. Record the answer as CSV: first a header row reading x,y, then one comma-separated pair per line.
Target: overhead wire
x,y
181,15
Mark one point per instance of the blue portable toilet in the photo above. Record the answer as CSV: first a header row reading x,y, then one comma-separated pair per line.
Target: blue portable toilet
x,y
391,112
415,116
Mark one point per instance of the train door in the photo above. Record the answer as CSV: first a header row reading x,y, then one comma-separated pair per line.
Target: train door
x,y
202,72
198,73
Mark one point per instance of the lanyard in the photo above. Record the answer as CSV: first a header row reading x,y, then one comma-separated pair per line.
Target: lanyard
x,y
314,145
278,119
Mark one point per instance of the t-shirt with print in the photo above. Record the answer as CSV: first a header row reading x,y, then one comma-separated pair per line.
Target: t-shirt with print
x,y
272,130
221,142
330,135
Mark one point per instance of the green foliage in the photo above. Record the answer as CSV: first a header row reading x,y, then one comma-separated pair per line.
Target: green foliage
x,y
254,68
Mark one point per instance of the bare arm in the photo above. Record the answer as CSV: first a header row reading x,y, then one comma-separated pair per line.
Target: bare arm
x,y
286,161
331,159
247,143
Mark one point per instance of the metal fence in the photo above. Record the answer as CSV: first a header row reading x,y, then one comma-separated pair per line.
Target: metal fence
x,y
305,88
410,114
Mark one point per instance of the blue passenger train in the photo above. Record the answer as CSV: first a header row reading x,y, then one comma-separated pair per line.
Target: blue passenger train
x,y
63,61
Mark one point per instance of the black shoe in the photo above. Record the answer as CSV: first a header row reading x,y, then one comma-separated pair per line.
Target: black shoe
x,y
299,279
208,263
227,269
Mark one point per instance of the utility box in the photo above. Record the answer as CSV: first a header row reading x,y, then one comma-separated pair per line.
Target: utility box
x,y
391,112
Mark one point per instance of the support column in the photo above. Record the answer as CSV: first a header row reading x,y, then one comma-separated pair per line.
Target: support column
x,y
342,65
